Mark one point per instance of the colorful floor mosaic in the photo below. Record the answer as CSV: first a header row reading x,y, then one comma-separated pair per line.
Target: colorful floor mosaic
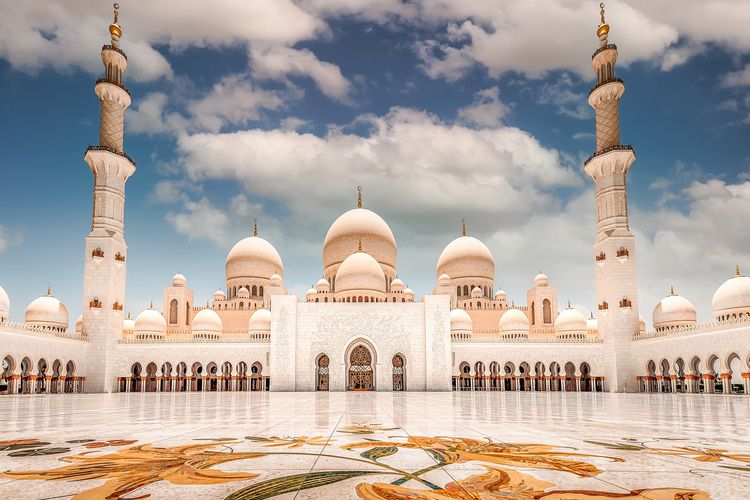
x,y
436,446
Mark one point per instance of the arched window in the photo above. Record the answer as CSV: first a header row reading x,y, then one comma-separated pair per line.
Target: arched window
x,y
458,291
187,314
254,291
466,290
533,316
173,312
242,305
260,290
367,299
547,311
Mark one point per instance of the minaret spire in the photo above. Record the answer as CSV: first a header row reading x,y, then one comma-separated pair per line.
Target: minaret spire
x,y
255,227
359,196
602,31
737,270
115,31
463,228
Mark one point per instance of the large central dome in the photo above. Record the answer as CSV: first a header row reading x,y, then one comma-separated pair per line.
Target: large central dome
x,y
357,226
253,257
466,257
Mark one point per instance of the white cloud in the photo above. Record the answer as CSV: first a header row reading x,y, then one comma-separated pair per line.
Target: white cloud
x,y
200,220
277,62
559,93
740,78
9,238
487,110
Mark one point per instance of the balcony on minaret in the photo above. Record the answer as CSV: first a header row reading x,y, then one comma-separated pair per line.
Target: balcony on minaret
x,y
95,303
119,257
601,257
623,254
626,303
97,254
603,306
117,306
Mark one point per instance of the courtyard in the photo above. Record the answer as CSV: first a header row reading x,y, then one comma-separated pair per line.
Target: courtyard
x,y
375,445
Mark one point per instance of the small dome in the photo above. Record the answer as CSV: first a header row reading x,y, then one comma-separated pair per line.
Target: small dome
x,y
541,279
360,271
732,297
570,322
206,321
592,324
359,225
501,295
253,257
310,295
79,324
128,326
641,324
466,257
243,293
514,321
461,321
150,323
477,293
397,285
47,311
179,280
322,286
674,311
276,280
260,321
219,295
444,280
4,304
408,294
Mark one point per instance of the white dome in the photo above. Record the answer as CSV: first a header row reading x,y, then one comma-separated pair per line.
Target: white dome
x,y
276,280
179,280
466,257
592,324
461,321
322,285
732,297
206,321
219,295
641,324
260,321
409,293
357,226
310,295
570,321
541,279
128,326
47,311
477,293
4,303
243,293
150,323
397,285
79,324
673,311
501,295
253,257
444,280
514,321
360,271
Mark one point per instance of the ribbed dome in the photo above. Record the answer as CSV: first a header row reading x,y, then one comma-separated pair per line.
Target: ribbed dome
x,y
674,311
466,257
179,280
79,324
355,226
4,304
206,321
461,321
514,321
360,271
47,311
253,257
397,285
570,322
732,297
541,279
260,321
322,286
477,293
150,323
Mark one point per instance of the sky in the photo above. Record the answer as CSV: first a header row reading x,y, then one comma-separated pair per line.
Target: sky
x,y
277,110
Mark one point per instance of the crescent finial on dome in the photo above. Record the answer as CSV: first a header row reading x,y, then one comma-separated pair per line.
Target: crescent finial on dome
x,y
49,289
603,29
115,31
359,196
255,227
737,270
463,228
671,290
359,245
569,304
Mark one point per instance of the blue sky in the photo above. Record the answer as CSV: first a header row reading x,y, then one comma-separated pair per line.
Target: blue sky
x,y
441,110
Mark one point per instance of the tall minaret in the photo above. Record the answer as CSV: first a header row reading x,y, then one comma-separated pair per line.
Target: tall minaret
x,y
614,249
106,251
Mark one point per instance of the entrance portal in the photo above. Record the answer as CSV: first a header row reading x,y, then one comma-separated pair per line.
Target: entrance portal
x,y
360,370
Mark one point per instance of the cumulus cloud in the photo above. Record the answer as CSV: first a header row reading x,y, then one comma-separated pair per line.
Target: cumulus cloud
x,y
560,94
487,110
740,78
9,238
200,220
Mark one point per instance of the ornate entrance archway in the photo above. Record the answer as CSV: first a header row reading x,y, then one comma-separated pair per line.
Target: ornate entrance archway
x,y
322,372
361,376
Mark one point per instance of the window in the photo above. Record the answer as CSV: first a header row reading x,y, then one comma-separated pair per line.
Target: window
x,y
260,290
254,291
173,312
187,314
547,311
533,316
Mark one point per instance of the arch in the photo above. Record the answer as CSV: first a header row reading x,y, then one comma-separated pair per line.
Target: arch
x,y
734,379
466,290
41,376
8,367
56,373
533,314
212,382
666,379
260,290
399,372
150,377
547,311
479,376
510,376
254,291
165,384
173,312
539,372
570,374
495,376
464,371
196,377
360,368
135,377
256,376
26,367
226,376
322,368
458,291
242,384
524,380
554,372
182,377
585,370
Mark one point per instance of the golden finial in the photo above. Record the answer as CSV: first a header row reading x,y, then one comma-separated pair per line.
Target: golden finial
x,y
603,29
359,196
152,305
463,228
737,270
255,227
671,290
513,303
49,289
115,30
591,314
569,304
359,246
128,314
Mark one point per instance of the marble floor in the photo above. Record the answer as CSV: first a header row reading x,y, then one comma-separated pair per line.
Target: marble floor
x,y
375,446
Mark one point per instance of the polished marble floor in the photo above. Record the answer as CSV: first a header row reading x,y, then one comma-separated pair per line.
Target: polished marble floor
x,y
375,446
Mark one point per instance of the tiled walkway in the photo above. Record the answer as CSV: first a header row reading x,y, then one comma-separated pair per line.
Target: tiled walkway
x,y
375,445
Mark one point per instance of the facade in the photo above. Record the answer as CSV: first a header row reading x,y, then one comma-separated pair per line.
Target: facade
x,y
360,327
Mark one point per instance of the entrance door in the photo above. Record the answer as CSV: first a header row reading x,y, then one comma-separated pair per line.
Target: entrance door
x,y
360,370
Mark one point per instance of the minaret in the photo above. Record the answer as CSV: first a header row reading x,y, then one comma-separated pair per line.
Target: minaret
x,y
106,251
614,249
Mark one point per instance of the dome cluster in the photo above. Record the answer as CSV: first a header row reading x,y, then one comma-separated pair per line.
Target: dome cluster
x,y
673,311
571,324
206,324
732,299
47,312
514,324
360,275
150,325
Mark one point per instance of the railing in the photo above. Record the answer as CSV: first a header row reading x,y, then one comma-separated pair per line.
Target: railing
x,y
226,337
116,84
44,331
698,328
616,147
602,49
497,339
112,47
605,82
110,150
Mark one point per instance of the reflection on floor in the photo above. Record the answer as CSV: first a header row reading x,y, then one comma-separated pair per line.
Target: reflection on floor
x,y
375,446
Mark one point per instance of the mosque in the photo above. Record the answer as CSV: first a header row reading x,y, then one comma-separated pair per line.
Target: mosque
x,y
360,328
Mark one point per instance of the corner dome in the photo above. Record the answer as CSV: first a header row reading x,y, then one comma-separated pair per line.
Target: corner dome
x,y
260,321
4,304
276,279
501,295
219,295
673,311
570,323
179,280
641,325
466,257
541,279
514,321
351,228
206,321
150,324
253,257
322,286
310,295
128,326
360,272
397,285
461,321
409,294
592,324
47,311
732,297
79,324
